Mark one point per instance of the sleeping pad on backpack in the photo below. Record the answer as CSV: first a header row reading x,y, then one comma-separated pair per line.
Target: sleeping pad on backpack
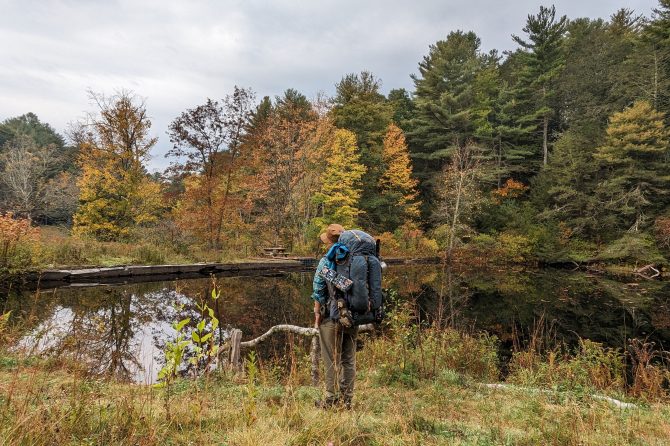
x,y
362,266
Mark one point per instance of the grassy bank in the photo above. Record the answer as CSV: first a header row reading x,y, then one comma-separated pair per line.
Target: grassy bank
x,y
415,386
24,247
39,406
35,248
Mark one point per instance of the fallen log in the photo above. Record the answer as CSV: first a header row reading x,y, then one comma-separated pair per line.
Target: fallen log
x,y
236,344
643,270
617,403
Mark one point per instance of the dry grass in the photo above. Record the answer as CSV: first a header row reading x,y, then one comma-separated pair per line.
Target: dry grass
x,y
59,249
51,403
415,386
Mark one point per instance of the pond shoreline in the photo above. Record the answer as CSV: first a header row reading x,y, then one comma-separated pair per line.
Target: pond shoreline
x,y
149,273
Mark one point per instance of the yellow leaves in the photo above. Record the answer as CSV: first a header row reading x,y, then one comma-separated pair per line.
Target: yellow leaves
x,y
115,193
638,130
396,182
341,191
395,156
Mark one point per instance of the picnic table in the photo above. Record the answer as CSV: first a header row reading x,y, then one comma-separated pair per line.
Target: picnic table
x,y
275,251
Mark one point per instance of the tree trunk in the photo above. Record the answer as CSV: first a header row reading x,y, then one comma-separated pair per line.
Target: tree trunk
x,y
454,220
545,137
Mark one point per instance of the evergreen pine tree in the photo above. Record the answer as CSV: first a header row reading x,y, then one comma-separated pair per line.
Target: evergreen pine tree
x,y
658,33
542,60
362,109
635,175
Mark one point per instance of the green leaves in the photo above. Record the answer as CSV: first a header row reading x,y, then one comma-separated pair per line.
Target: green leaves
x,y
198,347
179,326
205,338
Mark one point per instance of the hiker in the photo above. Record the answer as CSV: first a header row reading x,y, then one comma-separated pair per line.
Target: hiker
x,y
338,344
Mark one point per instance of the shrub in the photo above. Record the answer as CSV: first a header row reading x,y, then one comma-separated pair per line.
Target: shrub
x,y
633,247
389,245
507,247
481,248
651,378
592,367
411,352
516,248
19,242
149,255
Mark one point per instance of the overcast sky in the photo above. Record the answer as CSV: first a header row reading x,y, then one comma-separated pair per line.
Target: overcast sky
x,y
178,53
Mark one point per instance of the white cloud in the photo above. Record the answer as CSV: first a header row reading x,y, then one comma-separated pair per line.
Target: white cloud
x,y
177,53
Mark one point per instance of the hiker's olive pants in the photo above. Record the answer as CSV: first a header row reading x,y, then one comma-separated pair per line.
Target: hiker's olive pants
x,y
338,350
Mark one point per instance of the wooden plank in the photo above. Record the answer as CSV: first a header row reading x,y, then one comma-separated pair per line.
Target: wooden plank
x,y
98,273
54,274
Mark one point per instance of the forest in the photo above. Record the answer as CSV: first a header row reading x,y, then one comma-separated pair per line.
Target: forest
x,y
556,152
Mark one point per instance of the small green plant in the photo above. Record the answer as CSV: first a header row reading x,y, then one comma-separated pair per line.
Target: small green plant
x,y
198,347
174,354
251,390
205,350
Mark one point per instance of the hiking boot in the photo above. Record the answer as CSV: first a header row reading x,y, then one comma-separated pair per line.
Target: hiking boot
x,y
327,403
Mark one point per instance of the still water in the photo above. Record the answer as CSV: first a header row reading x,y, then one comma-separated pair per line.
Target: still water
x,y
121,330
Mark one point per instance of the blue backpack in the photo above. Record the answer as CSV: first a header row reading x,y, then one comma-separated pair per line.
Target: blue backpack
x,y
364,298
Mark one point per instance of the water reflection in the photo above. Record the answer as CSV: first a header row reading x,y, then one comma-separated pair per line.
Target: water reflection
x,y
121,330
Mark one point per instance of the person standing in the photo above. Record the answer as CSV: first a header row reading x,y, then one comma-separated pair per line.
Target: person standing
x,y
338,344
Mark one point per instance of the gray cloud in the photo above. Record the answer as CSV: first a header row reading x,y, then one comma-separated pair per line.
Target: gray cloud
x,y
177,53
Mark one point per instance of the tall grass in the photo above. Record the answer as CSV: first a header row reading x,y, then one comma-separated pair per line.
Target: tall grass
x,y
19,247
415,386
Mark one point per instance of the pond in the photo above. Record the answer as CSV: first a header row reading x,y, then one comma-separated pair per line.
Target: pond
x,y
121,330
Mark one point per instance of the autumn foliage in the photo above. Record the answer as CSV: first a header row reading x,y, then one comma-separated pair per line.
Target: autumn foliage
x,y
116,194
341,181
511,189
18,241
397,185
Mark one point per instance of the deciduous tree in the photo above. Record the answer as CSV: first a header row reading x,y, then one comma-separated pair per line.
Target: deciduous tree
x,y
25,175
397,185
207,145
459,195
116,194
360,108
341,182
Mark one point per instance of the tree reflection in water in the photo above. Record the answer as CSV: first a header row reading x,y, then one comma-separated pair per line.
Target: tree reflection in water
x,y
120,331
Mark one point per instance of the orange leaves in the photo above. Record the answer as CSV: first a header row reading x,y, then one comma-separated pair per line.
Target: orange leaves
x,y
511,189
14,234
662,231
